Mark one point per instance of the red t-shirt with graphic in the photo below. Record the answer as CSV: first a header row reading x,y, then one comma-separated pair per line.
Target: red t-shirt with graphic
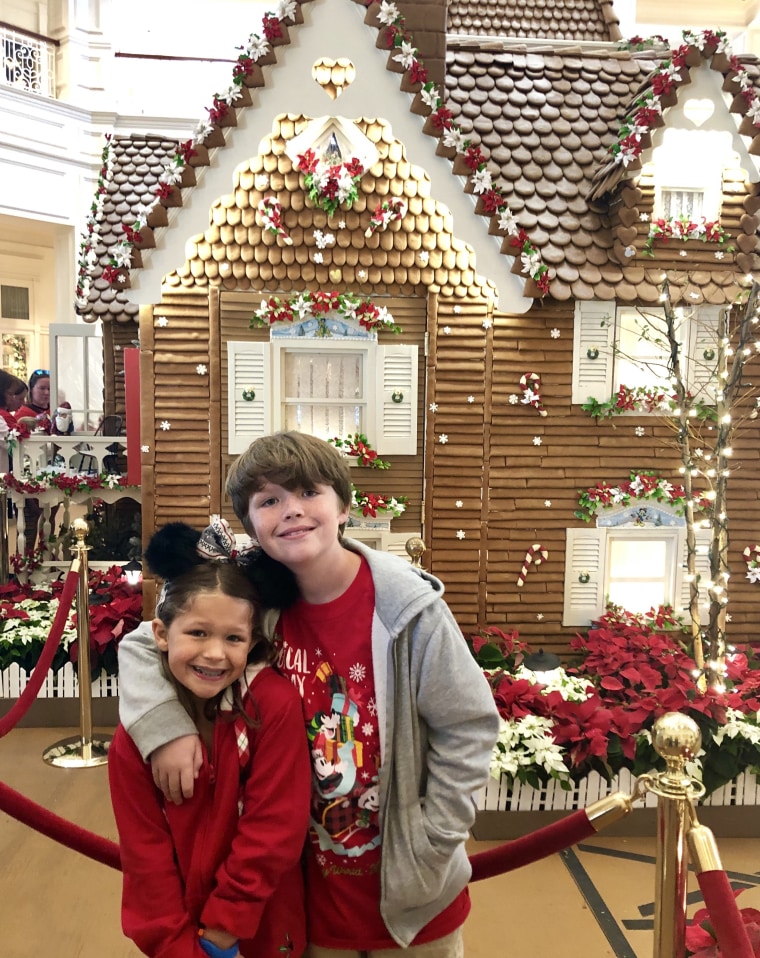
x,y
326,652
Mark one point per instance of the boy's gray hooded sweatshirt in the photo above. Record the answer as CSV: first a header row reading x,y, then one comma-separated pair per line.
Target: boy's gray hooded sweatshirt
x,y
438,725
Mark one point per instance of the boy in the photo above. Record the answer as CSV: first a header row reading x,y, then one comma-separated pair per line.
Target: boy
x,y
400,720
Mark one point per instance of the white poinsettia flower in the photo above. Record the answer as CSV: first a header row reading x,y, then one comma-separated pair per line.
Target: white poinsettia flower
x,y
171,175
203,128
121,254
430,97
531,262
301,305
258,47
455,138
286,9
508,222
481,181
406,55
388,13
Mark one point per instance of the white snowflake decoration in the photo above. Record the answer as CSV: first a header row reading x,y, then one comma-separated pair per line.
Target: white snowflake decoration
x,y
537,440
457,309
539,615
487,323
261,181
357,672
362,273
144,448
639,430
201,369
548,503
470,399
341,224
424,257
372,707
318,258
368,729
443,439
166,425
555,333
433,407
447,330
460,534
162,321
514,399
459,503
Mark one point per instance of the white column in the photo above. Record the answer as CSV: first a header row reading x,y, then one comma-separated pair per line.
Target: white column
x,y
84,51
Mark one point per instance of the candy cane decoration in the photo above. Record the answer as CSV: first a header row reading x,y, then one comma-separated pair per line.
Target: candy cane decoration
x,y
536,554
530,384
270,217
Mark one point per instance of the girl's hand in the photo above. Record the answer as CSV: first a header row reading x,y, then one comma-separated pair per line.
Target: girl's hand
x,y
175,767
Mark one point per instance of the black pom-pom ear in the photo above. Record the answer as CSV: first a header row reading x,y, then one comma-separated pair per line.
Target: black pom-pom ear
x,y
274,582
171,550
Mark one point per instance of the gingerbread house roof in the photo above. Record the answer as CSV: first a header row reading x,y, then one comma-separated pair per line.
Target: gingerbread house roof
x,y
540,121
547,119
578,20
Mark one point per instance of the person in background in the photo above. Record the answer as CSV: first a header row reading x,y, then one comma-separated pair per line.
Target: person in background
x,y
37,405
221,875
12,392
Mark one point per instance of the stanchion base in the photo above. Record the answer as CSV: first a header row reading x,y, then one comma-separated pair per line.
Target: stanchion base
x,y
74,752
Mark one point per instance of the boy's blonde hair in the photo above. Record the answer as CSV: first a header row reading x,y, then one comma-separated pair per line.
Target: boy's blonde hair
x,y
293,460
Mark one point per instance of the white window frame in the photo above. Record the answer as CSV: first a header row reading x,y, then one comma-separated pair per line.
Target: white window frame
x,y
586,568
595,332
255,370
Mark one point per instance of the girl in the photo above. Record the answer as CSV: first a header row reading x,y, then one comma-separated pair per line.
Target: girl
x,y
218,875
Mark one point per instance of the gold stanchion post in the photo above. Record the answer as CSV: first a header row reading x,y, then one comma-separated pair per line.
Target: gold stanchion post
x,y
414,549
5,546
83,750
676,738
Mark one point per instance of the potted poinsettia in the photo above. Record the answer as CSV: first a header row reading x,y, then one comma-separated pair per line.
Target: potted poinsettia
x,y
626,671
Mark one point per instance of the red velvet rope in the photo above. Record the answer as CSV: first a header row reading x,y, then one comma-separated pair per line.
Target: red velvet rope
x,y
21,707
59,829
730,932
530,848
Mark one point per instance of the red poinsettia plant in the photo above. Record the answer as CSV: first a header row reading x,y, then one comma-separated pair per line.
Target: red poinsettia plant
x,y
627,670
700,934
27,611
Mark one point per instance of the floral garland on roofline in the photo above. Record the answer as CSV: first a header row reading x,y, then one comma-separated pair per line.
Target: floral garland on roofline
x,y
120,255
640,485
350,306
647,108
491,196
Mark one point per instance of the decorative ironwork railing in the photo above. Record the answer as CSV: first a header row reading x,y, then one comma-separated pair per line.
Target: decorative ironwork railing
x,y
28,61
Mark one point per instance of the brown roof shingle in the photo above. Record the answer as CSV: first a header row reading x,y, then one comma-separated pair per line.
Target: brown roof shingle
x,y
580,20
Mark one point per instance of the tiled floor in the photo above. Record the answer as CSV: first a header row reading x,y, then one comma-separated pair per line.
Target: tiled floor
x,y
593,901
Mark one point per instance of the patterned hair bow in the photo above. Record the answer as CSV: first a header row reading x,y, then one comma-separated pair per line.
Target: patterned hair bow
x,y
217,544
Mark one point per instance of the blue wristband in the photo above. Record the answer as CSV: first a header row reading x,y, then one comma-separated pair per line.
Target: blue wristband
x,y
215,951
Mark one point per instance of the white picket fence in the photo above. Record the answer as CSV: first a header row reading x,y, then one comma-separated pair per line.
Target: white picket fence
x,y
497,796
57,685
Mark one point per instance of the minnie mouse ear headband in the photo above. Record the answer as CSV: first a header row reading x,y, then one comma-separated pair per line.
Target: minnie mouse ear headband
x,y
218,544
177,547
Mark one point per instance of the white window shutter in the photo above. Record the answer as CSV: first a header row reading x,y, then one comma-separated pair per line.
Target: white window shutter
x,y
594,329
248,370
396,401
703,353
703,570
585,555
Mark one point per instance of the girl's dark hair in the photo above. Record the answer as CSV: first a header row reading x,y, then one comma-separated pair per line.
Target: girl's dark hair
x,y
171,554
10,383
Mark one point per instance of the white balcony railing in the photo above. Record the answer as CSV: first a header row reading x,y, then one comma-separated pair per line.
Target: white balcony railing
x,y
28,62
